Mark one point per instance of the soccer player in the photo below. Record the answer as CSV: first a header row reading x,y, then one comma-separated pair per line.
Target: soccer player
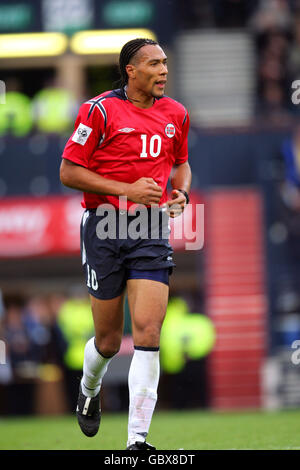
x,y
124,146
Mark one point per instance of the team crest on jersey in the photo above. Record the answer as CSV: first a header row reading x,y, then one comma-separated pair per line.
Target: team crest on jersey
x,y
82,133
170,130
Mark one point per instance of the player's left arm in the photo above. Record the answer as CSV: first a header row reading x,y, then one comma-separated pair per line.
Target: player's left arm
x,y
181,182
181,175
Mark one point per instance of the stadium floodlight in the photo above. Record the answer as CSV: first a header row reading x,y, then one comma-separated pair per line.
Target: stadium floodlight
x,y
106,41
32,45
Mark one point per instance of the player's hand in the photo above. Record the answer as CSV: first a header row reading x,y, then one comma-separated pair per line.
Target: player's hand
x,y
144,191
176,205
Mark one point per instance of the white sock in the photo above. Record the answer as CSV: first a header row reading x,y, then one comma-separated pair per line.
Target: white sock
x,y
142,381
94,367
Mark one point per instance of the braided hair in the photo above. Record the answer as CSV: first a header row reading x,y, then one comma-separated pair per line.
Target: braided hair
x,y
128,51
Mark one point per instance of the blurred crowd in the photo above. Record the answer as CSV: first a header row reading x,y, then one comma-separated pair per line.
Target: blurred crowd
x,y
275,26
287,226
44,337
52,110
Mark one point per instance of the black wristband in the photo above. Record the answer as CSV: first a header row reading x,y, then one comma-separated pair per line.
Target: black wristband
x,y
185,194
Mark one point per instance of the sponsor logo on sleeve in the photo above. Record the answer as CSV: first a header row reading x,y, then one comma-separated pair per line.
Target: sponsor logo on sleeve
x,y
82,134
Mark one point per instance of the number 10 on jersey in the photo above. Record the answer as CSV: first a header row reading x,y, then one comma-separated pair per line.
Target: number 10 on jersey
x,y
154,146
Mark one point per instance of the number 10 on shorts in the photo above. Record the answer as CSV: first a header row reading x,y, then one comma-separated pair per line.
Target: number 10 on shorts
x,y
91,278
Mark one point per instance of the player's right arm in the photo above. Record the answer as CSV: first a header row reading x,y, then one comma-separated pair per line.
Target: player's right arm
x,y
143,191
75,173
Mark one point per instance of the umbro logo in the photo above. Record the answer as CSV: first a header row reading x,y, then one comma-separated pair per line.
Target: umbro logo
x,y
126,129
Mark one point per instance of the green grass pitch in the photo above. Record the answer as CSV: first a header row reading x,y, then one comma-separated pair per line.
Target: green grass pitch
x,y
189,430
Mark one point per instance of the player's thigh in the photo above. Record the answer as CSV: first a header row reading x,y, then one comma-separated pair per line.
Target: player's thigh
x,y
108,317
148,302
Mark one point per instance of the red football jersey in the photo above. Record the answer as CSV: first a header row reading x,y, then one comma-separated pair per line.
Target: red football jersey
x,y
122,142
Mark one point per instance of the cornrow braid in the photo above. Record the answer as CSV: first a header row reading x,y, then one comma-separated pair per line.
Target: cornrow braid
x,y
127,52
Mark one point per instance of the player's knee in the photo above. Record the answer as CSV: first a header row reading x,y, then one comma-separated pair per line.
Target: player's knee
x,y
149,335
108,346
